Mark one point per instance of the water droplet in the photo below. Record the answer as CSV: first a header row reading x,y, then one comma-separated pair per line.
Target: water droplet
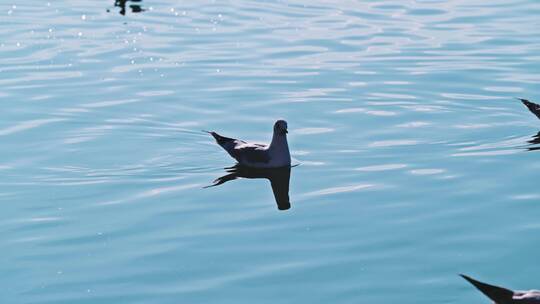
x,y
79,34
83,17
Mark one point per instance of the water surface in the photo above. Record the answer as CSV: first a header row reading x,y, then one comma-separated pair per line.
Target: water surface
x,y
416,163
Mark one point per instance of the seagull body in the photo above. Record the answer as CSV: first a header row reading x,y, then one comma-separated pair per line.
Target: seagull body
x,y
500,295
533,107
254,155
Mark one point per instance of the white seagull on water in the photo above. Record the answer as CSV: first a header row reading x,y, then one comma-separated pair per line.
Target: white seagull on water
x,y
500,295
256,155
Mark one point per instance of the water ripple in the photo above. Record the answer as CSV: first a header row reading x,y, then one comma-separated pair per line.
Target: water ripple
x,y
26,125
103,160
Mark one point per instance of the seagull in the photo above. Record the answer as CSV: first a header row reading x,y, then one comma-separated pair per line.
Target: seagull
x,y
500,295
533,107
261,156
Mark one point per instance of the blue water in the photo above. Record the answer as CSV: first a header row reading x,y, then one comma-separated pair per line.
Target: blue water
x,y
416,163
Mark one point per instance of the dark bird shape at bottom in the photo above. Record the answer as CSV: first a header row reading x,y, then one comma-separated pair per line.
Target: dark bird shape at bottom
x,y
535,140
500,295
279,180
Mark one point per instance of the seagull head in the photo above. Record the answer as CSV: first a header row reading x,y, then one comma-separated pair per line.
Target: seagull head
x,y
280,127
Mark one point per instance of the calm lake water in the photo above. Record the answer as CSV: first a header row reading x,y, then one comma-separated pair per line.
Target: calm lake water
x,y
415,160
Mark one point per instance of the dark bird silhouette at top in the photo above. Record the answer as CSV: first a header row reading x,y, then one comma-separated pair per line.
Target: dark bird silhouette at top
x,y
135,8
533,107
279,180
500,295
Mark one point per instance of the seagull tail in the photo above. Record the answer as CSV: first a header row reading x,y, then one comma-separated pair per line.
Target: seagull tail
x,y
533,107
495,293
221,140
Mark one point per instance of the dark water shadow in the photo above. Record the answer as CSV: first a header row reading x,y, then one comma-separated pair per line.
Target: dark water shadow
x,y
279,180
534,141
134,6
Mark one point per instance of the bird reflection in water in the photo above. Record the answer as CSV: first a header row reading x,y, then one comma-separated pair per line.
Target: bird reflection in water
x,y
279,180
534,141
135,7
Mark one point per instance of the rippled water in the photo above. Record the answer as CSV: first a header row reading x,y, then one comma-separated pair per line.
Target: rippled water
x,y
415,160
